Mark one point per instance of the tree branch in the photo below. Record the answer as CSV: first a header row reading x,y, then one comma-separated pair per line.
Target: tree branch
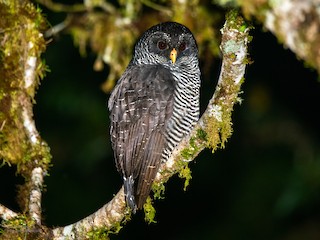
x,y
36,180
36,194
297,24
214,127
6,213
212,130
74,8
22,45
108,217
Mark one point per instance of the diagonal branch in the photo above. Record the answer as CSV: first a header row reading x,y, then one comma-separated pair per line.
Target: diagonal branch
x,y
108,217
212,130
297,23
6,213
215,126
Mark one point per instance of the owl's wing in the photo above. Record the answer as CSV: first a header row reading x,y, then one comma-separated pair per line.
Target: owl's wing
x,y
140,107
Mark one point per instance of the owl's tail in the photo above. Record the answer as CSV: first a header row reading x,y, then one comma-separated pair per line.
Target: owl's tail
x,y
129,192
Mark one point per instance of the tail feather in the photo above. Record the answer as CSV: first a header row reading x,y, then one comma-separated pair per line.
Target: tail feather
x,y
129,193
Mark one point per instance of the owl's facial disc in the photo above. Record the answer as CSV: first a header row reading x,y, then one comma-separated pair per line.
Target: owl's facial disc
x,y
169,47
166,44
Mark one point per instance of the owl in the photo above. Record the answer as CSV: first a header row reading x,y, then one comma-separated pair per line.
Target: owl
x,y
153,106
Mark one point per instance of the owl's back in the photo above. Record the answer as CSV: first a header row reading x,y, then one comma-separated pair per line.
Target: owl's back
x,y
140,108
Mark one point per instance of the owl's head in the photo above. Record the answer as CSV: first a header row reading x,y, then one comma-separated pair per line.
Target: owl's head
x,y
168,43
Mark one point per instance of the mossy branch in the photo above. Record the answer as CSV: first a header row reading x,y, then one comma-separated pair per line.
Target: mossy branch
x,y
212,130
21,68
215,126
295,23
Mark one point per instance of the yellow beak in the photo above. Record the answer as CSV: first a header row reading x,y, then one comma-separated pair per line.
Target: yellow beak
x,y
173,55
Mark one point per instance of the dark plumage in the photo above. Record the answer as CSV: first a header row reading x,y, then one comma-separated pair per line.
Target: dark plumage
x,y
153,106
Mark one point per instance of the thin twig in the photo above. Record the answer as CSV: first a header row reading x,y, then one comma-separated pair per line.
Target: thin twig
x,y
59,7
57,28
35,195
74,8
157,7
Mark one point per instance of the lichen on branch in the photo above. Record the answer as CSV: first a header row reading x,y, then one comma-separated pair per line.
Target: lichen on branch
x,y
295,24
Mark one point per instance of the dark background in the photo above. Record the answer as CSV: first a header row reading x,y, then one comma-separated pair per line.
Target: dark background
x,y
264,185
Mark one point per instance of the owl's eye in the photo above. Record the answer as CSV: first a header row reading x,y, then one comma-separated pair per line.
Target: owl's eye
x,y
182,47
162,45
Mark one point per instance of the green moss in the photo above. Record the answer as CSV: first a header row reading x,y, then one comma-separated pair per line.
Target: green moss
x,y
103,233
243,28
233,19
185,173
219,130
19,221
21,46
21,40
42,69
212,128
116,228
158,190
219,127
38,155
97,234
149,211
21,227
188,153
202,134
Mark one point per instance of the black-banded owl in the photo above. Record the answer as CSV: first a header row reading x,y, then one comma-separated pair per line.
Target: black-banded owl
x,y
154,105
